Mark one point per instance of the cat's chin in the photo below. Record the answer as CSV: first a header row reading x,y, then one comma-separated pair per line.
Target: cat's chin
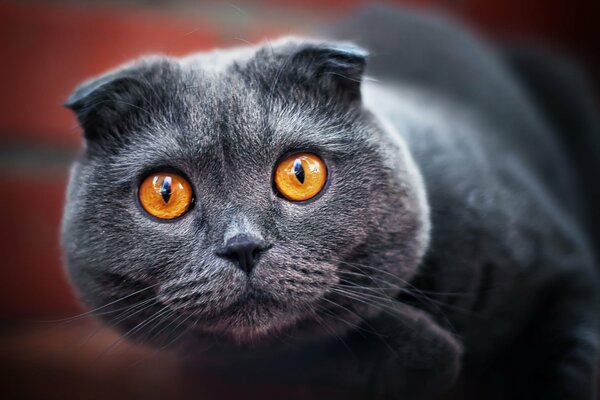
x,y
244,333
249,322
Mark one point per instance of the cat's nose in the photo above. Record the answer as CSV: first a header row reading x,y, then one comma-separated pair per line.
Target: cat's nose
x,y
243,250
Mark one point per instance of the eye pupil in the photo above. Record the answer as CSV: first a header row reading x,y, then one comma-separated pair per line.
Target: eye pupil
x,y
299,170
165,189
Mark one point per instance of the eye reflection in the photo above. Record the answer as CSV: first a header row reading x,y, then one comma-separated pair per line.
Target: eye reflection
x,y
165,189
298,170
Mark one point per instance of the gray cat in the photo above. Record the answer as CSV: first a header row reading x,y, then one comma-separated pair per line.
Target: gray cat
x,y
284,217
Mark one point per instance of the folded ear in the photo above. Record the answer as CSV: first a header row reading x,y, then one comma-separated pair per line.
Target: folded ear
x,y
329,69
105,104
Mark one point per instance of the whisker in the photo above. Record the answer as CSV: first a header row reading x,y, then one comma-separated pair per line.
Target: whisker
x,y
393,276
249,43
122,338
130,312
337,336
436,301
157,350
416,292
408,287
90,312
366,301
181,334
371,330
165,317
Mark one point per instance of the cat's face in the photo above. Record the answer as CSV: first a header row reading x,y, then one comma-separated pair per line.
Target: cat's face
x,y
223,122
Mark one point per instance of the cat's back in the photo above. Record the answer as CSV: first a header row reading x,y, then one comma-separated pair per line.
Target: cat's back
x,y
435,55
499,234
503,195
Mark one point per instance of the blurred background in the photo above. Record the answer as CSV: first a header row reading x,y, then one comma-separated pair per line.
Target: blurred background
x,y
46,48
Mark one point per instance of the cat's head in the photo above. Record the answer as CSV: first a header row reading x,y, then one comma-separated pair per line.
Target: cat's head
x,y
239,193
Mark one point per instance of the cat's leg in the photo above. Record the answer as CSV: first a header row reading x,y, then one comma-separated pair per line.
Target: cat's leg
x,y
402,354
420,360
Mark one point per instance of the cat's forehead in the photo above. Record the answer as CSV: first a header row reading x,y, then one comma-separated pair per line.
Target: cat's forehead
x,y
219,113
200,106
219,103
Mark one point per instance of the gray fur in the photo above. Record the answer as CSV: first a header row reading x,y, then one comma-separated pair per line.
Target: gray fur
x,y
436,231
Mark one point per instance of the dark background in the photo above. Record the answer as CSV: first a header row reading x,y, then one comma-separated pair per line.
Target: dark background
x,y
46,48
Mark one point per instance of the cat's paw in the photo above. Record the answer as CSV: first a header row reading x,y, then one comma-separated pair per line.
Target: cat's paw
x,y
426,361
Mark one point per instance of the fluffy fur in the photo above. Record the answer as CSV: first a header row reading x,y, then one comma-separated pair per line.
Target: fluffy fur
x,y
446,233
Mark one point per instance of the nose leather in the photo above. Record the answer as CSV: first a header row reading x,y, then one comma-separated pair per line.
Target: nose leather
x,y
243,250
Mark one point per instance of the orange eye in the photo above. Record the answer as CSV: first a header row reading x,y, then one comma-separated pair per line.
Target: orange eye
x,y
165,195
301,176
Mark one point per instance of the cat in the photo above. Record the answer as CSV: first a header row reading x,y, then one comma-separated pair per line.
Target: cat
x,y
383,223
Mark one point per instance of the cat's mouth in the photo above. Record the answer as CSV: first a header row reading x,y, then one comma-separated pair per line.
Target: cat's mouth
x,y
238,304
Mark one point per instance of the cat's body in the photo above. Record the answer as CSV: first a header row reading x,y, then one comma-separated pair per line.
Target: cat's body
x,y
446,192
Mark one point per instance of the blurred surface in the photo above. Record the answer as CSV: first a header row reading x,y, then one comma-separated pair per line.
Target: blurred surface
x,y
71,361
47,48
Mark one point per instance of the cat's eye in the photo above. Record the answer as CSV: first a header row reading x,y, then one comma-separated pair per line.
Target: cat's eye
x,y
165,195
300,176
